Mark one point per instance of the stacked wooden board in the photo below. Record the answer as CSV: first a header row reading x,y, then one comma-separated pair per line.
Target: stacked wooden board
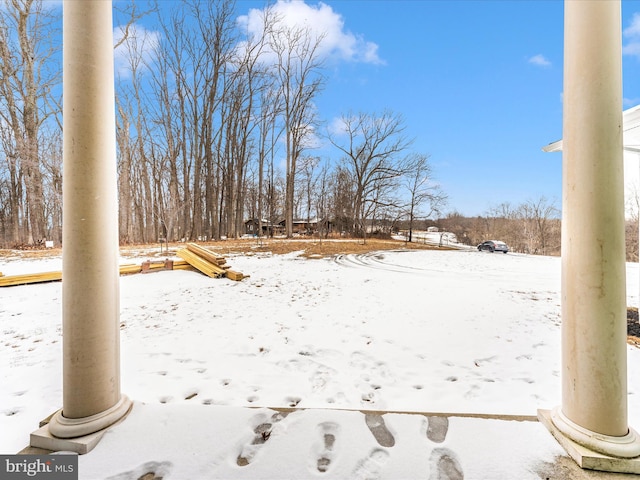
x,y
194,256
208,262
12,280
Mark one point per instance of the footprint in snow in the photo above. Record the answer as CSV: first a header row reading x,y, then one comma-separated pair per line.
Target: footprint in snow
x,y
443,462
324,451
320,377
262,431
370,467
146,471
378,428
437,428
444,465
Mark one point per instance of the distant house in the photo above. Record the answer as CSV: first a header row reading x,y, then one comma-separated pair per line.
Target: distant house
x,y
309,227
252,227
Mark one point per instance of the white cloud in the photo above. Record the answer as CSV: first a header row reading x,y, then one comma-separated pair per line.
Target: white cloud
x,y
139,48
632,34
632,48
337,126
337,43
633,30
540,61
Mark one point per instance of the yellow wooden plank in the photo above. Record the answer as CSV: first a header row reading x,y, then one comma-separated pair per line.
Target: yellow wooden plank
x,y
212,257
129,269
205,267
12,280
186,266
195,261
209,269
218,270
233,275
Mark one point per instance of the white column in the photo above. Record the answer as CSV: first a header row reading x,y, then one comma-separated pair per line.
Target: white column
x,y
91,344
594,362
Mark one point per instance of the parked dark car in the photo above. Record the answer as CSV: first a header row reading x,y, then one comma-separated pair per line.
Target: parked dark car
x,y
493,246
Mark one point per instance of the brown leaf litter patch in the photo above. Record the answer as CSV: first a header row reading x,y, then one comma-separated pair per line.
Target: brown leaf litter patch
x,y
308,248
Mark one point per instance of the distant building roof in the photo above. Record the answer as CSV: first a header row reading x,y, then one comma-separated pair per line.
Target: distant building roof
x,y
631,132
631,146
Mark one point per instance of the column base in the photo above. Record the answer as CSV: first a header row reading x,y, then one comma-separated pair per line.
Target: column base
x,y
79,435
589,458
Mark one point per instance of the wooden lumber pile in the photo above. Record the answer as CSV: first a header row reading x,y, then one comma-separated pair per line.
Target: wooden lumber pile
x,y
148,266
206,267
194,256
208,262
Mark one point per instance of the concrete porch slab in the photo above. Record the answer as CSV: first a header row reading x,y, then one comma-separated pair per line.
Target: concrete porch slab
x,y
222,442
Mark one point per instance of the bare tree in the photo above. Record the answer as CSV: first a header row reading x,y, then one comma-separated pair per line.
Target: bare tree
x,y
372,156
28,77
531,227
299,79
12,191
500,223
540,225
133,137
167,113
196,89
322,201
341,198
132,46
52,185
422,190
309,182
268,135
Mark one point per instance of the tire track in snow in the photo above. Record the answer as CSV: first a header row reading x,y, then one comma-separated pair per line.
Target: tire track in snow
x,y
376,260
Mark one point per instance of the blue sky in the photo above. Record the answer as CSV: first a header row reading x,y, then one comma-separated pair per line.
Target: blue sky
x,y
479,84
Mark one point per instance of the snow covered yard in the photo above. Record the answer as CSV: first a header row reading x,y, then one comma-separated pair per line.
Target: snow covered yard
x,y
425,331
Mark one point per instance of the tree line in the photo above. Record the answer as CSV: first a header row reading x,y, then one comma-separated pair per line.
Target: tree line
x,y
533,227
215,125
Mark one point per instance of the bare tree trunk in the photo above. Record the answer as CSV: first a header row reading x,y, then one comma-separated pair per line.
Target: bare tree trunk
x,y
422,190
125,212
269,110
27,102
299,80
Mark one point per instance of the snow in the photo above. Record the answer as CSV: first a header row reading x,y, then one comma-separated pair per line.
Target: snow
x,y
402,331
